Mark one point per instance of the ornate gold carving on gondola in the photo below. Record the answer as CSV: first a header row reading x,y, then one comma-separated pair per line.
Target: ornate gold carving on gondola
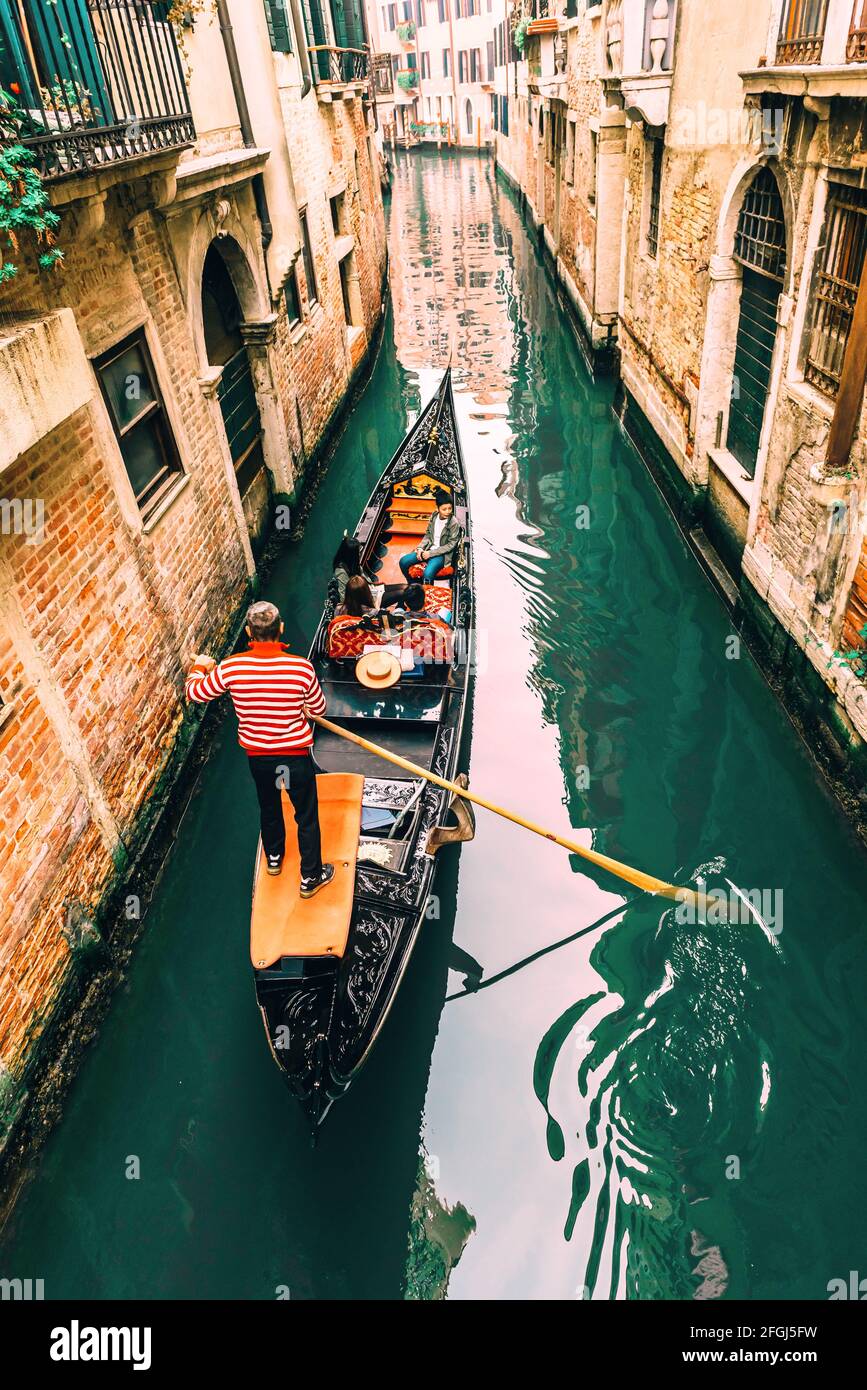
x,y
464,830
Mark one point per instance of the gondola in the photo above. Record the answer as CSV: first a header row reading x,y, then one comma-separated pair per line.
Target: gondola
x,y
327,969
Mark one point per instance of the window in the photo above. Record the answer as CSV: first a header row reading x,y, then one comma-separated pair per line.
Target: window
x,y
494,118
570,151
147,445
835,285
344,286
446,58
469,116
462,67
389,17
419,13
307,257
278,25
337,213
490,60
458,8
425,65
441,11
407,9
655,150
504,115
802,31
293,298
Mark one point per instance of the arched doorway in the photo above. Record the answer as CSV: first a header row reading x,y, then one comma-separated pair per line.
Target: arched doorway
x,y
222,318
468,116
760,249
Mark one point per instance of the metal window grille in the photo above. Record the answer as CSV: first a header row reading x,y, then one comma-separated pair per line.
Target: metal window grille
x,y
835,286
856,46
760,239
656,153
802,31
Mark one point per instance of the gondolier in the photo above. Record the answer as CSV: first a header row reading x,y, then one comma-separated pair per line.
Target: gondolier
x,y
272,693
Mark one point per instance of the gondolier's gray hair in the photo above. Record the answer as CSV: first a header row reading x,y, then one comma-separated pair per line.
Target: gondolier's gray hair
x,y
263,621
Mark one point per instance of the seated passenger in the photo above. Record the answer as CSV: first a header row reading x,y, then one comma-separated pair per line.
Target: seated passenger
x,y
410,600
359,599
439,544
347,564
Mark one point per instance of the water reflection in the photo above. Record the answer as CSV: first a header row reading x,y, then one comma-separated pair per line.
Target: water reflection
x,y
658,1052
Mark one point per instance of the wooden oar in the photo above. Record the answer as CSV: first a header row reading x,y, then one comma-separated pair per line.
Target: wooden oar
x,y
634,876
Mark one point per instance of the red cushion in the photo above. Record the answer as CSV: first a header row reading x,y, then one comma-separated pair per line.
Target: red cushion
x,y
416,572
431,640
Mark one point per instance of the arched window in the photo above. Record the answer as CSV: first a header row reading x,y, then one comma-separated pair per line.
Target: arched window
x,y
760,240
760,246
469,116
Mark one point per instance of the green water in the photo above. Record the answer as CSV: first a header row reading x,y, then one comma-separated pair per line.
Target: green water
x,y
648,1109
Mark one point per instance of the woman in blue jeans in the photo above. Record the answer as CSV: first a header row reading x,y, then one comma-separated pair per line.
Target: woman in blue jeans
x,y
440,541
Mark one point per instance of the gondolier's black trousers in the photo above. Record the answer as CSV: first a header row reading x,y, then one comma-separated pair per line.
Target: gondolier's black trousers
x,y
271,773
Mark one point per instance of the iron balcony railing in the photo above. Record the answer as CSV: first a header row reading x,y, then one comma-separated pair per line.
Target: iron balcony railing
x,y
383,77
97,81
802,31
856,46
339,66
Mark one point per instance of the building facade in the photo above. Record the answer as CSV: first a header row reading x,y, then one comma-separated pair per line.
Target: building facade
x,y
442,55
698,181
162,392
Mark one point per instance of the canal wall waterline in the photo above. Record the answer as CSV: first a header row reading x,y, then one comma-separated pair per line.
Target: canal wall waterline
x,y
31,1099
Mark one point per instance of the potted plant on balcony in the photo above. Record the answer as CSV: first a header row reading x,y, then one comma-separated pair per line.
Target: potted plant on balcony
x,y
406,31
407,80
24,204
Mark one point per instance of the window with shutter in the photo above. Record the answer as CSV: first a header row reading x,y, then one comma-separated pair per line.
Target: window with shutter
x,y
278,25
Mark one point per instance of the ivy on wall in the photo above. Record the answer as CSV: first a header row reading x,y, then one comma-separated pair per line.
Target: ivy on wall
x,y
24,205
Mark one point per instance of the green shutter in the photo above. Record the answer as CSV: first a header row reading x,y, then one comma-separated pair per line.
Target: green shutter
x,y
64,34
14,67
278,26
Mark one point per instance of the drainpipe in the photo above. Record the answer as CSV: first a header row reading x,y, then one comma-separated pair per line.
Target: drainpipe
x,y
303,55
244,118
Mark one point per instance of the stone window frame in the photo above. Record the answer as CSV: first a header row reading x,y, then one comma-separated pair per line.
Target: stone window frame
x,y
833,183
652,179
175,476
308,262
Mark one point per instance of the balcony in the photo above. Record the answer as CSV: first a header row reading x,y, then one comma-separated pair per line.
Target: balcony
x,y
99,82
407,79
820,51
383,77
339,71
802,31
639,56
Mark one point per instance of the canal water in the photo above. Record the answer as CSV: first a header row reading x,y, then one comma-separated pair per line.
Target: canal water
x,y
577,1095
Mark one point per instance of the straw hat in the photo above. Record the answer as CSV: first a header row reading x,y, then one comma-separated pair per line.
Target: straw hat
x,y
378,670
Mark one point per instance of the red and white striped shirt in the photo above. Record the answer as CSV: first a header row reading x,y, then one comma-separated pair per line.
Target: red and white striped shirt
x,y
268,688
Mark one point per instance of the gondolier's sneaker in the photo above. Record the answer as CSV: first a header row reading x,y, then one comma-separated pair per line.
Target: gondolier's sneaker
x,y
273,863
309,886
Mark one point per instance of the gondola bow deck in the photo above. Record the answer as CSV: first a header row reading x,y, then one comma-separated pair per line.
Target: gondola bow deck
x,y
327,969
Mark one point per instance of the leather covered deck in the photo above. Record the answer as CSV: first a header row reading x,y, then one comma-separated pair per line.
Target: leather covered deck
x,y
285,924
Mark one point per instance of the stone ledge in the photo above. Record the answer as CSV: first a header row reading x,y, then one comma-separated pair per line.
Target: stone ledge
x,y
44,378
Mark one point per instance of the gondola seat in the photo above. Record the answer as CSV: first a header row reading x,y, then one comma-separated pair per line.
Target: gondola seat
x,y
431,640
437,596
416,572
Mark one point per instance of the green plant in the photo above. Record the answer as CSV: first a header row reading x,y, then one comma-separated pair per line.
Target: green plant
x,y
406,31
24,204
407,80
855,658
521,34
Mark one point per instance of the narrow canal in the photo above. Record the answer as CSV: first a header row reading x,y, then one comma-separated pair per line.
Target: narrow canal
x,y
634,1107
